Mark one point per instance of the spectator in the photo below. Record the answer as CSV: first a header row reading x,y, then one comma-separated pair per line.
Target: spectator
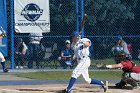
x,y
121,45
139,54
34,49
20,53
66,55
125,48
129,46
116,49
138,50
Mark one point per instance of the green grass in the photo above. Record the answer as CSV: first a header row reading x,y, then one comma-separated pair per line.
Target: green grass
x,y
93,61
111,61
64,75
104,61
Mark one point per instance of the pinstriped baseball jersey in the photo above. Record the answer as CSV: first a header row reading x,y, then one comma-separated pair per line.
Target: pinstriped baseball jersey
x,y
80,49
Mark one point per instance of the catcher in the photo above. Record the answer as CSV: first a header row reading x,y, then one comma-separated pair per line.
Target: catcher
x,y
131,71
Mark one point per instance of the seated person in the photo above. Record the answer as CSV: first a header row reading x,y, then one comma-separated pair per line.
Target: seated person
x,y
20,52
131,71
115,50
121,45
139,53
67,56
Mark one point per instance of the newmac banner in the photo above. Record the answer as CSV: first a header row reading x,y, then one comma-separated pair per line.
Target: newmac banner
x,y
31,16
3,27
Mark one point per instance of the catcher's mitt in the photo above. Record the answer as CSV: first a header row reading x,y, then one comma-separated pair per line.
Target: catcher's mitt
x,y
101,65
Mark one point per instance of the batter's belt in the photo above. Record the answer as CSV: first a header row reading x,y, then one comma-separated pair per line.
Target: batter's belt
x,y
82,58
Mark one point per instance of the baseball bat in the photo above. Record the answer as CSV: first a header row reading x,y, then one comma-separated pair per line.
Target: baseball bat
x,y
83,22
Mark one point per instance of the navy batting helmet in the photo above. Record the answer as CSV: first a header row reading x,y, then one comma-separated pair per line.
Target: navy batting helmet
x,y
75,34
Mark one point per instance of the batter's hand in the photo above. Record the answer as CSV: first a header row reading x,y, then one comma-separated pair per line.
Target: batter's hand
x,y
79,37
3,34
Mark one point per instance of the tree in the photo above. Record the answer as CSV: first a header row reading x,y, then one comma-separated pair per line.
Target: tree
x,y
62,16
109,16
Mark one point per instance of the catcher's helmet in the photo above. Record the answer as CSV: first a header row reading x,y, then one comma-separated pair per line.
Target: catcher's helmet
x,y
75,34
121,56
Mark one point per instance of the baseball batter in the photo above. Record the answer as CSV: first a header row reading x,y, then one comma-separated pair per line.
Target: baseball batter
x,y
81,51
2,59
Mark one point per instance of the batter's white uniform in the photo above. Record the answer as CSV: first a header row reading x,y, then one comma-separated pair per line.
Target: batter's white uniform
x,y
2,59
82,54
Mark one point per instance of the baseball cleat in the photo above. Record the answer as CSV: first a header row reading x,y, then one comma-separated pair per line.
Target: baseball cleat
x,y
105,86
65,91
5,70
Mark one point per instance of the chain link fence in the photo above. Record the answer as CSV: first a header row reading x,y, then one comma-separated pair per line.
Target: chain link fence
x,y
50,47
106,19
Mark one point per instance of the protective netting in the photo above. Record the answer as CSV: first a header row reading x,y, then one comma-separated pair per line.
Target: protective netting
x,y
106,20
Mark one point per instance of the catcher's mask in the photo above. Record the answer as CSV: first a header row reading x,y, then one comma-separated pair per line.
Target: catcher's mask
x,y
120,57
